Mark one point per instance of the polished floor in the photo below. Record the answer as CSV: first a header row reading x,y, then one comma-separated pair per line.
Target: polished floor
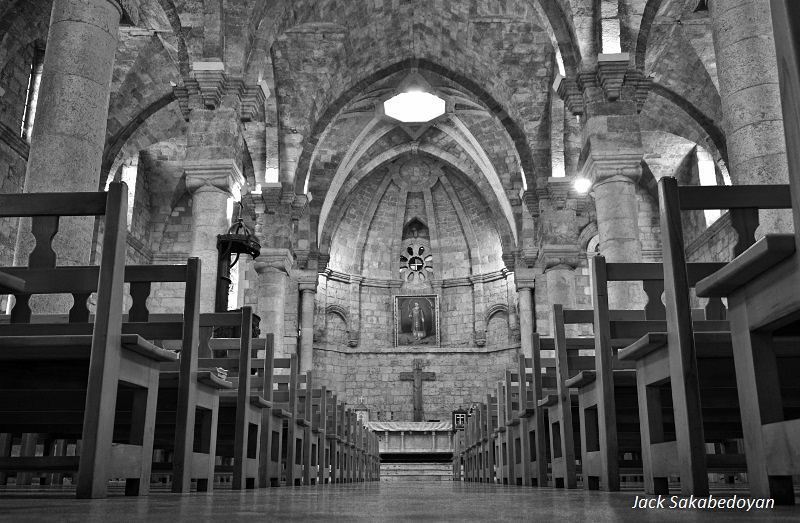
x,y
386,501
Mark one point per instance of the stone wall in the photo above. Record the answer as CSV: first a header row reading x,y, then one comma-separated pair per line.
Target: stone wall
x,y
12,179
463,376
14,76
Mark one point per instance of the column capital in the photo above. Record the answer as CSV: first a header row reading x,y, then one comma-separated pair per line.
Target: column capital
x,y
525,279
600,167
274,260
213,175
560,256
307,281
209,86
611,79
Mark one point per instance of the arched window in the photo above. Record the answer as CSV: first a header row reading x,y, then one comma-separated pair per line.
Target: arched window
x,y
710,174
609,27
32,94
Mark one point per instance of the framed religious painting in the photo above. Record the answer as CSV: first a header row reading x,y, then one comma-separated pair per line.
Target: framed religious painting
x,y
416,320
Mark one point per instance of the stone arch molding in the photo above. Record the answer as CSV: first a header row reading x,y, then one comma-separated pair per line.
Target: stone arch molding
x,y
339,311
488,171
505,225
494,310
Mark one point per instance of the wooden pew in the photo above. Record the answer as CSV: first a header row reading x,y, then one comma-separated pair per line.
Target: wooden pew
x,y
281,441
304,472
342,452
349,445
474,436
690,366
270,468
104,377
487,443
333,438
504,434
360,445
241,408
503,458
321,404
536,381
372,456
186,390
761,286
607,401
562,406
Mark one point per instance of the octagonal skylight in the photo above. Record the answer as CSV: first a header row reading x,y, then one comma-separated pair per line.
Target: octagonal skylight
x,y
414,107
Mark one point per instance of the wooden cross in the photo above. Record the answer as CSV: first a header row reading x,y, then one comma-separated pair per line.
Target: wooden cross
x,y
417,377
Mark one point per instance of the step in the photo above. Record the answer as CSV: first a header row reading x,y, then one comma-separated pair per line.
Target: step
x,y
416,472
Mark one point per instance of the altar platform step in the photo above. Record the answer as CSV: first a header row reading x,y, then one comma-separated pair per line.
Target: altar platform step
x,y
416,472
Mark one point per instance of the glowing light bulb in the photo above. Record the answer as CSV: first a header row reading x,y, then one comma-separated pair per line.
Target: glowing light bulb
x,y
582,185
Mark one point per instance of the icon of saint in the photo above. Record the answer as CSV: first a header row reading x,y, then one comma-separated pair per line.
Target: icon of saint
x,y
417,321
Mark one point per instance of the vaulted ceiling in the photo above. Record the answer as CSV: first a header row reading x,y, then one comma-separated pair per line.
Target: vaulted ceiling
x,y
329,64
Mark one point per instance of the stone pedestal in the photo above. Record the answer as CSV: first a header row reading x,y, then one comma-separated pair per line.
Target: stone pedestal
x,y
525,281
308,293
211,183
273,266
750,96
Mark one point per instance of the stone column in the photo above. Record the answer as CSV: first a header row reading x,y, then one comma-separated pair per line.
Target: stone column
x,y
618,227
751,102
308,293
561,289
69,135
511,302
211,183
562,215
561,285
609,99
478,310
354,326
525,280
273,266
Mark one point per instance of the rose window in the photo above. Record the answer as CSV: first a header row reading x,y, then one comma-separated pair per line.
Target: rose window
x,y
415,263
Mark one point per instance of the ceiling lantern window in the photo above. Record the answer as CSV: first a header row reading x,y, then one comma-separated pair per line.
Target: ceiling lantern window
x,y
414,107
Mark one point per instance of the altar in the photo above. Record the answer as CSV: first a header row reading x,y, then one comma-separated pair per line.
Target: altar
x,y
413,438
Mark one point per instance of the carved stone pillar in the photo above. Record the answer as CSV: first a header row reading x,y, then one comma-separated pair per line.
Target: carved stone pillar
x,y
211,183
273,267
618,227
513,319
562,215
609,99
750,99
478,310
560,277
69,135
308,292
354,327
526,282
